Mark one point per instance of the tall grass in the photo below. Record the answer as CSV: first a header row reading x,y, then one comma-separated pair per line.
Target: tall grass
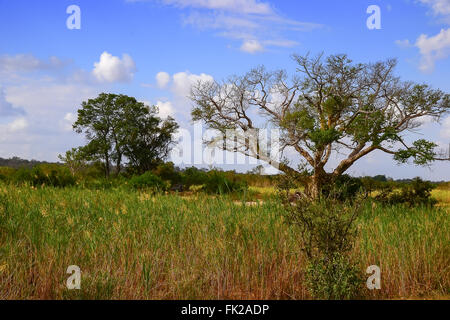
x,y
132,245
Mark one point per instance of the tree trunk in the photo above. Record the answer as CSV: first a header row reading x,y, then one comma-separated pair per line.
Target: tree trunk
x,y
107,166
118,163
316,183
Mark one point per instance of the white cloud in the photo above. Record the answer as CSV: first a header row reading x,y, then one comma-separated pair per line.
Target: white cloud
x,y
252,46
440,7
281,43
162,79
49,99
6,108
180,87
68,121
17,125
70,117
27,63
403,43
113,69
445,129
166,109
14,126
433,48
183,81
244,20
244,6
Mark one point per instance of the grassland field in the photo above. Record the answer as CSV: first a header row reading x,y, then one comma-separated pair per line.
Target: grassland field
x,y
136,245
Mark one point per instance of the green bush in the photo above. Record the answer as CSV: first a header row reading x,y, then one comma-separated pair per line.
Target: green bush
x,y
218,183
333,277
148,181
345,187
194,177
7,174
327,231
168,172
45,175
415,193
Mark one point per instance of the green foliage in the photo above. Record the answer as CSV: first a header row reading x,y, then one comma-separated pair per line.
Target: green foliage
x,y
331,104
118,127
218,183
327,232
422,152
344,187
6,174
323,137
325,225
45,175
333,277
416,193
148,181
168,172
194,177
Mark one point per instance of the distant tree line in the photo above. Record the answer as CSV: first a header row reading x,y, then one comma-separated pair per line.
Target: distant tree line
x,y
16,163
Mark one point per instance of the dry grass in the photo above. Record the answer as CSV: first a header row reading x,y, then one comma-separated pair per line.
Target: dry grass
x,y
131,245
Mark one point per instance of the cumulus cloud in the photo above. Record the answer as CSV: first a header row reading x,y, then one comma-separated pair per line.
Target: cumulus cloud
x,y
243,20
180,88
13,127
162,79
183,81
252,46
68,121
27,63
6,108
165,109
433,49
17,125
49,99
113,69
403,43
445,129
439,7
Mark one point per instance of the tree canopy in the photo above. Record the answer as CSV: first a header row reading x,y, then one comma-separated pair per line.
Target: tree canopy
x,y
331,104
118,127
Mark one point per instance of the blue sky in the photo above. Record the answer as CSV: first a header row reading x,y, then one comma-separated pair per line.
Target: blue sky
x,y
47,70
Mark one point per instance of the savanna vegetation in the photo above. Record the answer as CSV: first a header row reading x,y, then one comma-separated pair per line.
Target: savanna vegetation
x,y
141,228
135,244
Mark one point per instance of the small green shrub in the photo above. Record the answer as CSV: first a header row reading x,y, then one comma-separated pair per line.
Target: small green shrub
x,y
148,181
218,183
327,232
45,175
416,193
333,277
7,174
344,187
168,172
194,177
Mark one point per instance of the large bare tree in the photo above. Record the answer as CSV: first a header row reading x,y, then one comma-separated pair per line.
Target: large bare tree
x,y
330,104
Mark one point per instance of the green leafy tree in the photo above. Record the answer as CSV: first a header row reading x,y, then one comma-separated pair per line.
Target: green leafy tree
x,y
118,127
146,138
330,105
97,119
75,160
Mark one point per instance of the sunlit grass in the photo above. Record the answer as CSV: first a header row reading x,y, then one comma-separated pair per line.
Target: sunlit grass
x,y
132,245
